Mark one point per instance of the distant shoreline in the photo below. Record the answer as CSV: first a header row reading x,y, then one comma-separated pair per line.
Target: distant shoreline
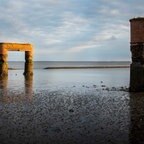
x,y
75,67
87,67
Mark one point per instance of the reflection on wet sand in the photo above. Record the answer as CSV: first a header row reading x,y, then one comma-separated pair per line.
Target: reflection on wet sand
x,y
3,84
29,87
8,96
137,118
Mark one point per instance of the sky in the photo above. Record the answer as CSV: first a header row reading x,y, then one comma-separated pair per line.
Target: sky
x,y
70,30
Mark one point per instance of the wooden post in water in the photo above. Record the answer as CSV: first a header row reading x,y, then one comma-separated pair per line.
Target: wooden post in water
x,y
137,51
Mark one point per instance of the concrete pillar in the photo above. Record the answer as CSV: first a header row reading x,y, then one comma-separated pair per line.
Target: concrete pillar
x,y
28,63
3,62
137,52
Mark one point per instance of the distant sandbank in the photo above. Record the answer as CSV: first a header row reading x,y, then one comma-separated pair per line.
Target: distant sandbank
x,y
88,67
79,67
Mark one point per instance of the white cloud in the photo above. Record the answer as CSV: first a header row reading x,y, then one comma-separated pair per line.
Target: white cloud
x,y
82,47
110,32
71,26
109,11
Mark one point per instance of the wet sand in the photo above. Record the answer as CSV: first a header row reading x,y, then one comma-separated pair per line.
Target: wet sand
x,y
66,116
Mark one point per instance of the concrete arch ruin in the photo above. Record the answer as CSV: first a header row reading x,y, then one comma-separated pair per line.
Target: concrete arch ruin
x,y
27,48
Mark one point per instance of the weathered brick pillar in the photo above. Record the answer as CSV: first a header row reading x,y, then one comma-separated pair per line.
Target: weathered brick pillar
x,y
137,51
3,62
28,63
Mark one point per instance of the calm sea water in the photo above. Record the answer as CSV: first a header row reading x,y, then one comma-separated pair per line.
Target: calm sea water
x,y
67,78
44,64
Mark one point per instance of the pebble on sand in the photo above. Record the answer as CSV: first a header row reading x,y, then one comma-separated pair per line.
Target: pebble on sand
x,y
71,110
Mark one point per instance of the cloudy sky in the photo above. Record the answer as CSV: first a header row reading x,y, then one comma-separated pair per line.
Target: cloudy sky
x,y
82,30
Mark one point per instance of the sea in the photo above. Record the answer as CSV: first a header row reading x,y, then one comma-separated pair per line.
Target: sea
x,y
85,73
85,64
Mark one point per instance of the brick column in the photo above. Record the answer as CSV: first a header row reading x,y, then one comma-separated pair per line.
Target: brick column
x,y
137,52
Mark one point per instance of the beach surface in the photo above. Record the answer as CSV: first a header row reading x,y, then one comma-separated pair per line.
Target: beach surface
x,y
70,106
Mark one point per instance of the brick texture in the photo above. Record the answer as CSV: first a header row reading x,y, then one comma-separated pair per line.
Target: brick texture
x,y
137,30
